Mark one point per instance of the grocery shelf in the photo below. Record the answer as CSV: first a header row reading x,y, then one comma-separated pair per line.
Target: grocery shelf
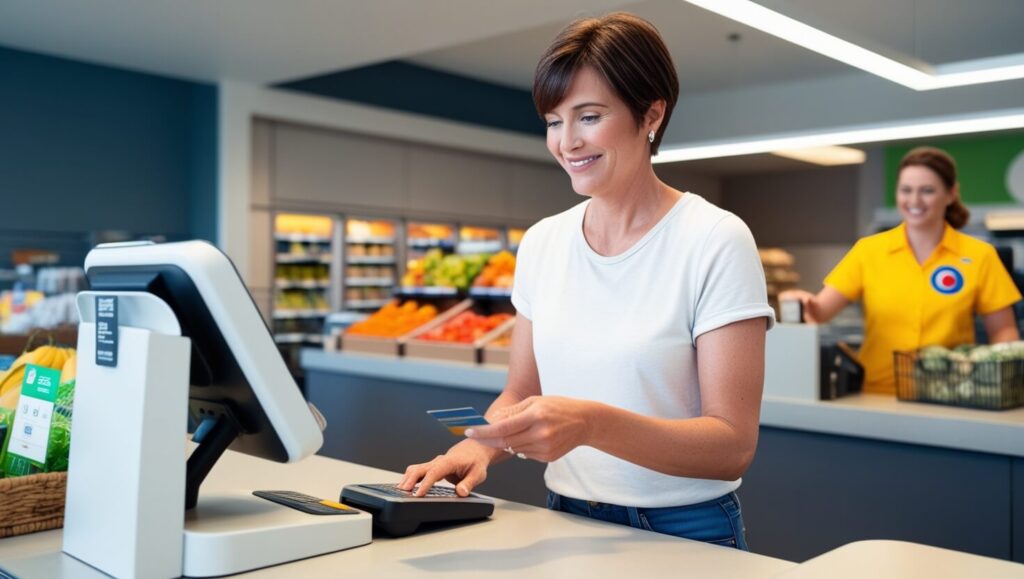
x,y
301,284
478,246
293,258
298,338
369,281
427,243
370,260
490,292
301,238
287,314
359,304
427,291
371,240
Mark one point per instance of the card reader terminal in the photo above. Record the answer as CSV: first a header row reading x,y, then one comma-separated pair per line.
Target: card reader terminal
x,y
398,513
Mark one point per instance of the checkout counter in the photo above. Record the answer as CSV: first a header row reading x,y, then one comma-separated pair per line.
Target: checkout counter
x,y
827,473
520,540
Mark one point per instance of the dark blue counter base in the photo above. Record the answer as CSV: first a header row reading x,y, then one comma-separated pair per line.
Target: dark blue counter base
x,y
808,493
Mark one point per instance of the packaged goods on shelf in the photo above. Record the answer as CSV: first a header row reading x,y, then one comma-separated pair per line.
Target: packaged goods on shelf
x,y
478,240
421,237
369,262
515,237
778,272
291,301
302,277
303,226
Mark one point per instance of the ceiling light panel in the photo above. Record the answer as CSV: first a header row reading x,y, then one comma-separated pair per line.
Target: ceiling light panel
x,y
829,156
978,71
979,123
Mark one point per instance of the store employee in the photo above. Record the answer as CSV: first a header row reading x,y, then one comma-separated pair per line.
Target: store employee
x,y
922,282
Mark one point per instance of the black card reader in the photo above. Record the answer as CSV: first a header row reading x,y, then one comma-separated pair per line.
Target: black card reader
x,y
399,513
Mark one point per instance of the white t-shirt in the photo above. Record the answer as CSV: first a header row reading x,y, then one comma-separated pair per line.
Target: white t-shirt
x,y
622,330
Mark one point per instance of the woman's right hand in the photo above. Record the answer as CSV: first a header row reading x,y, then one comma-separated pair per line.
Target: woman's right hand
x,y
806,300
464,465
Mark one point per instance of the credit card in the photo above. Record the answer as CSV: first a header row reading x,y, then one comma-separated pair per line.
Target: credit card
x,y
457,420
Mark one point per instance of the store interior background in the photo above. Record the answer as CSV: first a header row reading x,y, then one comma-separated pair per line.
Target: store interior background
x,y
110,112
203,120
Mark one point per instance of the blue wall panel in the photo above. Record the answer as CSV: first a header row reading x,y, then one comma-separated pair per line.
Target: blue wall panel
x,y
86,148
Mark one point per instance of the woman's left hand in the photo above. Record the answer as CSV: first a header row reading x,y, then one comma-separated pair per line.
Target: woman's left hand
x,y
542,428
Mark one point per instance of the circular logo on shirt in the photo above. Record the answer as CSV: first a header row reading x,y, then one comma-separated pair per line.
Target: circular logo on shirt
x,y
947,280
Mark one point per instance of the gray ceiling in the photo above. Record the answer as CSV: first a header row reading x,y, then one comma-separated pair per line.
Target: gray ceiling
x,y
759,85
267,42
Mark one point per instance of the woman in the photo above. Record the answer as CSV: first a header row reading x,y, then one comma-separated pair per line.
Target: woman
x,y
922,282
638,351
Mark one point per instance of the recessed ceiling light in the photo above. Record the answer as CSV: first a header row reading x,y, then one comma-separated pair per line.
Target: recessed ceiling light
x,y
828,156
963,73
959,125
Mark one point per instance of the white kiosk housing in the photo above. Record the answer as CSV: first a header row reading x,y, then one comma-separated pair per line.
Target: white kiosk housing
x,y
182,339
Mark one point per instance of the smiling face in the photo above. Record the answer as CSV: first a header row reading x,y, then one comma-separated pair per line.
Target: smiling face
x,y
595,137
922,197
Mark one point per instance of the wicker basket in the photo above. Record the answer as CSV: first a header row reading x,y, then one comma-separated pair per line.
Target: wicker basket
x,y
32,503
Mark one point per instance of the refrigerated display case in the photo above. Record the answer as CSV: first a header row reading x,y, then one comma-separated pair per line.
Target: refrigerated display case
x,y
302,277
479,240
370,263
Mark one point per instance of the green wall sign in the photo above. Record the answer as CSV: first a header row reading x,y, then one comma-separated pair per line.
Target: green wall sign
x,y
984,165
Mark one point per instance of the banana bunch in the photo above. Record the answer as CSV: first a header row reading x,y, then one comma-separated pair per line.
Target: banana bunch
x,y
62,359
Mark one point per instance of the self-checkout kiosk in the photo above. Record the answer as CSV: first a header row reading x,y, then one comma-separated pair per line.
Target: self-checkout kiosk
x,y
170,336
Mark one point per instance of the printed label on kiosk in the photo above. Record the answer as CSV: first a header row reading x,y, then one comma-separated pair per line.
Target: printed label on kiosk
x,y
106,331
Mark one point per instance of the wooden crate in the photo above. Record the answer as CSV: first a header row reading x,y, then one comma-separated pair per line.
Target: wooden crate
x,y
491,354
396,346
451,351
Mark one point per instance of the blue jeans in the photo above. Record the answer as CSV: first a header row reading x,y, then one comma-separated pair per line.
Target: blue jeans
x,y
718,521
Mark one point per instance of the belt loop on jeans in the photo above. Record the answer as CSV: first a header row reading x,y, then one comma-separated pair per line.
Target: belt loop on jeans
x,y
634,517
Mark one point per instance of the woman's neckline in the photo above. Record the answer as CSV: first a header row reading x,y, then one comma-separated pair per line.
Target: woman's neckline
x,y
609,259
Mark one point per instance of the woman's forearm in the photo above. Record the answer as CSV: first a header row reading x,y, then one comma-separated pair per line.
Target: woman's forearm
x,y
704,447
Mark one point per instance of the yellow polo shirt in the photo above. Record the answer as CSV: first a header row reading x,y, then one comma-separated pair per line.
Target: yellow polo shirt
x,y
908,305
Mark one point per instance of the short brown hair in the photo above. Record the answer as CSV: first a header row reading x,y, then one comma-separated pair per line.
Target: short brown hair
x,y
626,50
943,165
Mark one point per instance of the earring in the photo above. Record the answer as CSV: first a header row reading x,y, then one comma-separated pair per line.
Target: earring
x,y
650,136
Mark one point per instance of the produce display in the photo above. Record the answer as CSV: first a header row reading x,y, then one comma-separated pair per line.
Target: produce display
x,y
59,445
498,272
394,320
435,269
465,328
990,376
